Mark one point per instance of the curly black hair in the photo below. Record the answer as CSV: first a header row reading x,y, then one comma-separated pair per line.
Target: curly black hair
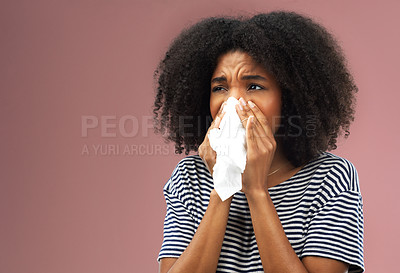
x,y
318,92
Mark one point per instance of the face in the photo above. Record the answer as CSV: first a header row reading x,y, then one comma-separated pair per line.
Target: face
x,y
238,75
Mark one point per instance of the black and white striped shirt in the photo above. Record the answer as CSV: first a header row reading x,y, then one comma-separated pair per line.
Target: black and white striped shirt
x,y
320,208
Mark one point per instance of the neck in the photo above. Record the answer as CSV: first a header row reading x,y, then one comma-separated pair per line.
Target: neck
x,y
286,169
279,161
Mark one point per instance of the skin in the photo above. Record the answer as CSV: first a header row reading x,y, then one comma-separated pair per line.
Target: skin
x,y
260,108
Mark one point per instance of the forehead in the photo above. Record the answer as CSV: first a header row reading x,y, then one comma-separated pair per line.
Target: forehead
x,y
238,60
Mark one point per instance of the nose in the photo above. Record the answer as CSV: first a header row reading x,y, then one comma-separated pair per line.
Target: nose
x,y
237,93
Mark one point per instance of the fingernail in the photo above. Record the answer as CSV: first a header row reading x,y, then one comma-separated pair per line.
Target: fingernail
x,y
251,104
242,101
240,107
251,119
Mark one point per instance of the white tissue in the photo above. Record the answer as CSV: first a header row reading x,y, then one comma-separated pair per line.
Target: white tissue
x,y
229,142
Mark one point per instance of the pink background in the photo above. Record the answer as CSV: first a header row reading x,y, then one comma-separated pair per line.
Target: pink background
x,y
67,212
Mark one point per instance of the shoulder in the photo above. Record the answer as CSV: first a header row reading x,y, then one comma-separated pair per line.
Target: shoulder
x,y
333,177
189,176
336,212
339,172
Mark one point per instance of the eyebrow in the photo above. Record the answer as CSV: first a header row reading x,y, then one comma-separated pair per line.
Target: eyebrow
x,y
247,77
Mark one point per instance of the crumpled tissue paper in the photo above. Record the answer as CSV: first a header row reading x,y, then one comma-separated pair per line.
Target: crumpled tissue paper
x,y
229,142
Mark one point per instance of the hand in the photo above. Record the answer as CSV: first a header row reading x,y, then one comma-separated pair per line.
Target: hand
x,y
261,146
207,154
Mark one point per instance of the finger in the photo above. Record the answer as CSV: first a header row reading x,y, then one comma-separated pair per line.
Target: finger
x,y
250,139
258,129
261,120
258,114
221,108
262,135
257,132
216,122
218,117
264,142
256,144
243,111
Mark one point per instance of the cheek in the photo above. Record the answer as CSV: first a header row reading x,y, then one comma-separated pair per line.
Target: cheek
x,y
272,111
270,107
215,104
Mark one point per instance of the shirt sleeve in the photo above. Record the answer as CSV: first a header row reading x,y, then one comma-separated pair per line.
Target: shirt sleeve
x,y
179,227
336,231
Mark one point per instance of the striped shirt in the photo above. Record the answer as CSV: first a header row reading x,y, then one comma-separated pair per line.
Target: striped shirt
x,y
320,209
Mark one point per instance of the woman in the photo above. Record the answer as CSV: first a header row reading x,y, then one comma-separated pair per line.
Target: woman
x,y
300,207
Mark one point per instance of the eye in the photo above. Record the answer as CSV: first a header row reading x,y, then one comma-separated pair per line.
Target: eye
x,y
218,89
255,87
